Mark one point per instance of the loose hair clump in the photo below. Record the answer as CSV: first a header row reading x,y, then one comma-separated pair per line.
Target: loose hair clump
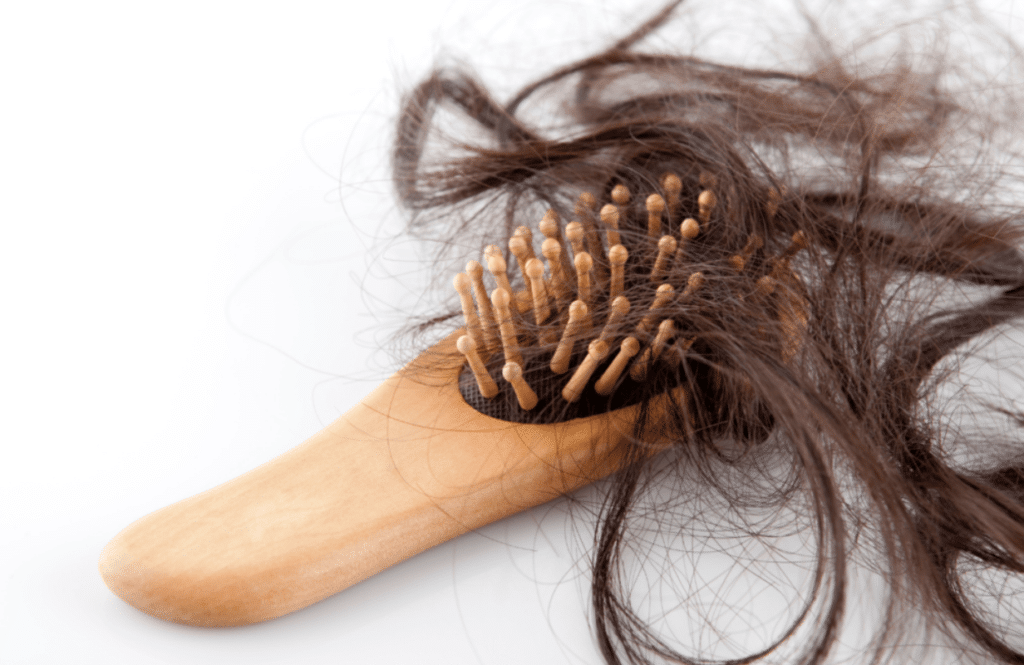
x,y
832,413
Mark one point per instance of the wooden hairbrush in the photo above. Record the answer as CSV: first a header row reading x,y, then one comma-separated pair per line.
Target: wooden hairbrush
x,y
535,397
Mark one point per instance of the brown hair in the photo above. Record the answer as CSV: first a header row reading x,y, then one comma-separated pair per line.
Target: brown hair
x,y
844,437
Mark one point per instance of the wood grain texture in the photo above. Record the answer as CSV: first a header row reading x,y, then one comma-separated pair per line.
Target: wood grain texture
x,y
409,467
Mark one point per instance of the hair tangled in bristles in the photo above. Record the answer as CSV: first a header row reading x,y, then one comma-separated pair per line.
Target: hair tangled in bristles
x,y
847,442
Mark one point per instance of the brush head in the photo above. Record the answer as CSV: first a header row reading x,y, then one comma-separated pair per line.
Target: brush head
x,y
607,320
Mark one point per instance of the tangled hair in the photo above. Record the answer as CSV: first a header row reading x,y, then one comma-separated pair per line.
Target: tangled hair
x,y
841,437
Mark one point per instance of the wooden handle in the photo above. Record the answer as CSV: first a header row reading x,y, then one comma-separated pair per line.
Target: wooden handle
x,y
409,467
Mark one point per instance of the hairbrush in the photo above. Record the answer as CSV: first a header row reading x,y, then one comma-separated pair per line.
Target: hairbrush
x,y
531,399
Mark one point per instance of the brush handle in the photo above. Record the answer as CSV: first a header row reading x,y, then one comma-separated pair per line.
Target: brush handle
x,y
409,467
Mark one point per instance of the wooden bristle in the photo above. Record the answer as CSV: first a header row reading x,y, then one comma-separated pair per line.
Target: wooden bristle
x,y
666,329
798,242
463,285
617,256
619,308
793,317
584,264
694,282
638,372
610,218
526,234
765,286
541,306
676,354
629,348
521,250
739,261
527,254
620,195
577,316
552,251
488,388
771,206
780,265
523,301
585,204
497,267
551,226
655,207
596,352
706,202
662,297
672,186
513,373
666,248
574,233
689,229
509,339
488,322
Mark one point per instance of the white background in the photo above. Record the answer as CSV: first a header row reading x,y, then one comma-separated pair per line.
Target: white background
x,y
186,291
